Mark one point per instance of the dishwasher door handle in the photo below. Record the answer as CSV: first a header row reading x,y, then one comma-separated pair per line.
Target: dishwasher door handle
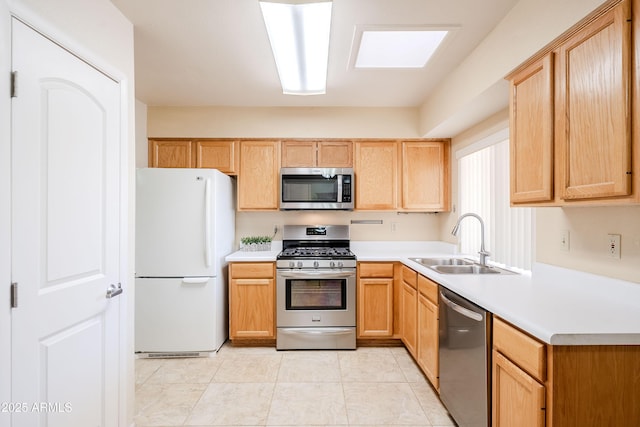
x,y
460,309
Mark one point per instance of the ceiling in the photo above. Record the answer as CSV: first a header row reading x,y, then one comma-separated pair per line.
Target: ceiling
x,y
217,53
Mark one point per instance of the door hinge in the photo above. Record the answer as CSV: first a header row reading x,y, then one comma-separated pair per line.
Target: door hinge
x,y
14,295
14,84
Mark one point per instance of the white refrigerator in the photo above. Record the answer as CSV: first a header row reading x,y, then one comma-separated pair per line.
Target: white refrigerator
x,y
185,226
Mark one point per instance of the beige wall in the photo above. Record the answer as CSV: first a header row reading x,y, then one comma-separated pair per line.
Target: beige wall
x,y
588,226
468,106
218,122
475,89
399,227
297,122
588,241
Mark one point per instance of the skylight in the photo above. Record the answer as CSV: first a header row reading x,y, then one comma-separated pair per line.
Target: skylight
x,y
398,49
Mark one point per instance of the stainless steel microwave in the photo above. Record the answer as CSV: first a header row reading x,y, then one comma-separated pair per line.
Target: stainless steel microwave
x,y
316,188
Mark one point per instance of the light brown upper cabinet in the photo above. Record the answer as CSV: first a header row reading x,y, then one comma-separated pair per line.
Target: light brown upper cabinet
x,y
574,138
217,154
171,153
259,175
418,170
188,153
531,145
300,154
376,170
593,127
425,176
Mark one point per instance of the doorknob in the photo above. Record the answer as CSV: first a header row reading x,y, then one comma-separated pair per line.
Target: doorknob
x,y
114,291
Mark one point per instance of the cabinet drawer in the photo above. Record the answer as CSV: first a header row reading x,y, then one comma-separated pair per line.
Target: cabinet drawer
x,y
375,269
525,351
428,288
251,270
410,277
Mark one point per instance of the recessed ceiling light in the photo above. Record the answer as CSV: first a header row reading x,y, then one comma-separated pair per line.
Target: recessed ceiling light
x,y
398,48
299,36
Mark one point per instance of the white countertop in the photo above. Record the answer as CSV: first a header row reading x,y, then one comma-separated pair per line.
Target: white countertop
x,y
554,304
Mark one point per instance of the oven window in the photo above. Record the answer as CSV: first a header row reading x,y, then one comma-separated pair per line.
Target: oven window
x,y
316,294
309,188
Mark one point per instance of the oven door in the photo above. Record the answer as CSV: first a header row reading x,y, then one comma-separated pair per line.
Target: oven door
x,y
316,298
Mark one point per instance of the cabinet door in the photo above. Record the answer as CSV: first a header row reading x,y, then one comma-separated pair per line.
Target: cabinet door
x,y
376,170
425,176
258,178
252,308
375,307
409,317
298,154
518,399
594,112
216,155
428,339
531,128
335,154
176,153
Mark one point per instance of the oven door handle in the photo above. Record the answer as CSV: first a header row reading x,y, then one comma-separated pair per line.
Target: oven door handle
x,y
321,274
316,331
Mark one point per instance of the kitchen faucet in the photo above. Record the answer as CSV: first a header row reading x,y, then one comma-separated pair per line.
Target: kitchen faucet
x,y
483,253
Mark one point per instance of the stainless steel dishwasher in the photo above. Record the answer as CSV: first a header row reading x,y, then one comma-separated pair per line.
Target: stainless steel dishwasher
x,y
464,359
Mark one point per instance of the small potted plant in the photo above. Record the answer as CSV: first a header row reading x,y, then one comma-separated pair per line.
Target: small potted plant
x,y
255,243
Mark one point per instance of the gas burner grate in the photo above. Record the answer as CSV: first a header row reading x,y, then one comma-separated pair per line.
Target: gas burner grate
x,y
310,252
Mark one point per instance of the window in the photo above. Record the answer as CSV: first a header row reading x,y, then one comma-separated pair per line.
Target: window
x,y
483,170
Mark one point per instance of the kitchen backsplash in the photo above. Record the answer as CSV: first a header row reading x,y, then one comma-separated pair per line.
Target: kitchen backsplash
x,y
394,227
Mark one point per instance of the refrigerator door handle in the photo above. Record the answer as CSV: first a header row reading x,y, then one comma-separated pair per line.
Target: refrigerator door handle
x,y
195,280
207,221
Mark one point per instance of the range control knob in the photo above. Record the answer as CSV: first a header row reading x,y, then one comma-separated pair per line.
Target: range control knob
x,y
332,264
316,264
299,264
340,264
292,264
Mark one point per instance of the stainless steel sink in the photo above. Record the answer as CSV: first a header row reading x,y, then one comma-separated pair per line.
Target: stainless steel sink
x,y
430,262
464,269
458,266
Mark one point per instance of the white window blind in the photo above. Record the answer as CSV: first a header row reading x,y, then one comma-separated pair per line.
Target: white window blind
x,y
484,190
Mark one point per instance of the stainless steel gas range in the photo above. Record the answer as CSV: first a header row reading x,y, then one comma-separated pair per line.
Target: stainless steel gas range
x,y
316,289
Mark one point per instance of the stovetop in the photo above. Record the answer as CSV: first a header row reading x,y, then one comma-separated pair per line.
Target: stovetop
x,y
315,246
316,252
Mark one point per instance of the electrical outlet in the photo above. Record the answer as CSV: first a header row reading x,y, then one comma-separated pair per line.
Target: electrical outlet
x,y
394,227
564,241
614,246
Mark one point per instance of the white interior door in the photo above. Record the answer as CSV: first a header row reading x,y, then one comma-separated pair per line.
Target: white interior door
x,y
65,237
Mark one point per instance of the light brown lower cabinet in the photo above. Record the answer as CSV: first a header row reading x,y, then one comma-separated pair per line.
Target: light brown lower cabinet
x,y
427,356
375,300
252,301
535,384
409,310
518,399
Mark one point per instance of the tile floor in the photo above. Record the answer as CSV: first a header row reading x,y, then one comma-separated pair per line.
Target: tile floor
x,y
264,387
